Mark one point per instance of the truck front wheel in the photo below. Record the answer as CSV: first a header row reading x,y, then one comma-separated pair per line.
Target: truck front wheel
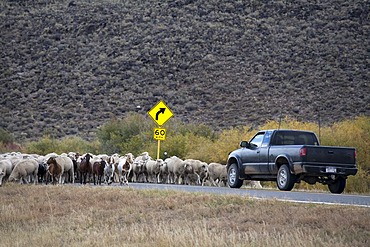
x,y
285,180
337,187
233,179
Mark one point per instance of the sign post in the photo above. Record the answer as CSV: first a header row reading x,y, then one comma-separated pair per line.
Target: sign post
x,y
160,113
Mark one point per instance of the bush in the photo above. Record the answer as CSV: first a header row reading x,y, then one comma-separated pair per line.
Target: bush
x,y
7,142
67,144
176,145
217,150
125,135
134,134
44,146
6,137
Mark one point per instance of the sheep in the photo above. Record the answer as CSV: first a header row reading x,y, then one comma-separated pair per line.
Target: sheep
x,y
253,184
139,167
66,165
176,170
98,170
54,171
109,171
153,168
138,171
69,169
6,168
23,169
200,168
217,172
104,157
124,168
47,156
84,165
15,160
163,174
42,172
74,157
114,159
189,175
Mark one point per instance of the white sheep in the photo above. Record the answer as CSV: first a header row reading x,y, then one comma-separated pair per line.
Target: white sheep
x,y
153,168
217,173
163,174
176,170
23,169
200,168
139,172
6,168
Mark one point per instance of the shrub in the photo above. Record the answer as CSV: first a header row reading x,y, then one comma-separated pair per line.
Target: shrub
x,y
134,134
6,137
67,144
44,146
7,142
117,134
217,150
175,145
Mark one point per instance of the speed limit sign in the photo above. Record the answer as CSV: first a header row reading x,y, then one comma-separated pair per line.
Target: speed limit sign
x,y
159,134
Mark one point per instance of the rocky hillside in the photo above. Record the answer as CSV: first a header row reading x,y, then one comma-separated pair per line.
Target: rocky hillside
x,y
69,66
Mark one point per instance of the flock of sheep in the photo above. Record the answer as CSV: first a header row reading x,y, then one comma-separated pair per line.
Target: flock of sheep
x,y
104,169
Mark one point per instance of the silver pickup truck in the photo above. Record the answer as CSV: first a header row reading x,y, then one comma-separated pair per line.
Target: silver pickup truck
x,y
289,157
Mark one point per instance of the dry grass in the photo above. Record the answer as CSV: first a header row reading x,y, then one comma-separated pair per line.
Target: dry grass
x,y
115,216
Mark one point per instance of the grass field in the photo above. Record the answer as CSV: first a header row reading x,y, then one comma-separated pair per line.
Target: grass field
x,y
40,215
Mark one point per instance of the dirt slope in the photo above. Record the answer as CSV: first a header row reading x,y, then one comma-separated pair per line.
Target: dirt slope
x,y
69,66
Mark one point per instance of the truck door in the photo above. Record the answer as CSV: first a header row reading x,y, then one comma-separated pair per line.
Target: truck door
x,y
250,157
264,153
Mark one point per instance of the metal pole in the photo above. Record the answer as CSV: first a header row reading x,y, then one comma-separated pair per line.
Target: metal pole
x,y
319,126
159,147
280,120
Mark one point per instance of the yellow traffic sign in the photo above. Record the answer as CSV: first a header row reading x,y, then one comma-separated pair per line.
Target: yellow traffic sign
x,y
160,113
159,134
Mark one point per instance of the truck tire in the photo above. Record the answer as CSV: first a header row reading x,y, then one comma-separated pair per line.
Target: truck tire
x,y
233,180
338,186
285,180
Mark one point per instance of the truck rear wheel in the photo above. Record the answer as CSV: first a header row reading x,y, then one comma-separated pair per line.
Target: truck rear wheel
x,y
285,180
338,186
233,179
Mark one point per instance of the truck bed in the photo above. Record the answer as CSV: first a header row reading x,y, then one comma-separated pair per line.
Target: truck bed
x,y
330,155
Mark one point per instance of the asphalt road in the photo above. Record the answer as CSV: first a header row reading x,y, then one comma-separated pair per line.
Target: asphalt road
x,y
293,196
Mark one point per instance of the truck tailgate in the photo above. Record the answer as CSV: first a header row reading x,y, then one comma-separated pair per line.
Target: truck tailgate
x,y
331,155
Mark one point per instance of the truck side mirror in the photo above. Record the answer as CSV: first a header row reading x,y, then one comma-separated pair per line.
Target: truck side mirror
x,y
244,144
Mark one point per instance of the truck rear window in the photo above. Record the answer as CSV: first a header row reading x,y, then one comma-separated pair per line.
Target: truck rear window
x,y
294,138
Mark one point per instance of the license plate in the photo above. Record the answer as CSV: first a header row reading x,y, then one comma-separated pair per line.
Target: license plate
x,y
331,169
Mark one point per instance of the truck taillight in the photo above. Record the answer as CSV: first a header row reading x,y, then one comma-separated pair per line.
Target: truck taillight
x,y
303,152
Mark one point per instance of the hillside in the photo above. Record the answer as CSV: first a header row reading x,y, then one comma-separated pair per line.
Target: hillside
x,y
67,67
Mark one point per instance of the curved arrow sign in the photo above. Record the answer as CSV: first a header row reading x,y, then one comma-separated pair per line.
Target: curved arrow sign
x,y
161,110
160,113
